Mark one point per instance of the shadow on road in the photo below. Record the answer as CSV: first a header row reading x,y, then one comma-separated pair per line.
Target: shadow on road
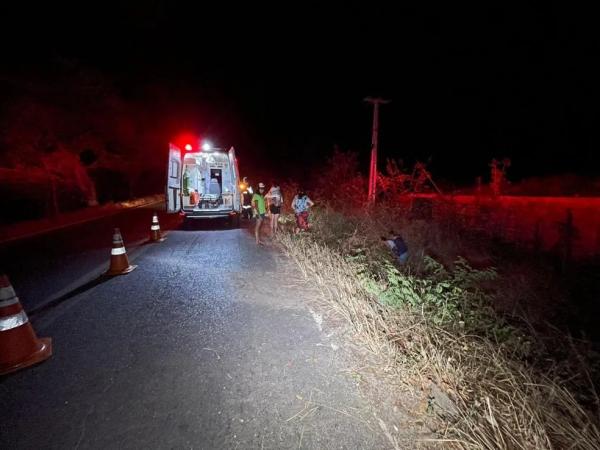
x,y
210,225
57,301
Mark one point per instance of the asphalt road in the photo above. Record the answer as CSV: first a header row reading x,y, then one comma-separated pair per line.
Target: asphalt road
x,y
209,343
52,265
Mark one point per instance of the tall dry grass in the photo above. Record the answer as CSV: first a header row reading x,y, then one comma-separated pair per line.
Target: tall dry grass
x,y
499,401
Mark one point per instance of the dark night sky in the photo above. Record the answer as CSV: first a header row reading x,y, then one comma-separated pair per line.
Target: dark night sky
x,y
285,84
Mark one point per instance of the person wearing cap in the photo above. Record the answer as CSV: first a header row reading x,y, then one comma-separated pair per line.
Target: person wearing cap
x,y
260,210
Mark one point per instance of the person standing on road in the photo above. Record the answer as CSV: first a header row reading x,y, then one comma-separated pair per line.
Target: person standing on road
x,y
247,194
275,199
301,204
260,210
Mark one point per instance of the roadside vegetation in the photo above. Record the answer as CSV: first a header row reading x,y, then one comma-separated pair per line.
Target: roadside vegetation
x,y
497,376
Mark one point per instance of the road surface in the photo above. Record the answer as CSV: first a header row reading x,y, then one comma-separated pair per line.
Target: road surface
x,y
209,343
50,266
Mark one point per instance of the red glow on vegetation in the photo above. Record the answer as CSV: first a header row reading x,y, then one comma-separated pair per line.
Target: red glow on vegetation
x,y
551,223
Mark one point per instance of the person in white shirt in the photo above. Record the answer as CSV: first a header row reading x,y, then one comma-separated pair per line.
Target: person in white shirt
x,y
275,199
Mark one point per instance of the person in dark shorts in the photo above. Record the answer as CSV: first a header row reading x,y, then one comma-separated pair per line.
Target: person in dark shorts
x,y
275,199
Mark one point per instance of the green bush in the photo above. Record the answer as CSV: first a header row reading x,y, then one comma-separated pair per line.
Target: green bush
x,y
456,299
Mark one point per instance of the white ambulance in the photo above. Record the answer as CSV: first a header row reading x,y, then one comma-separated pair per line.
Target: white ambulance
x,y
203,183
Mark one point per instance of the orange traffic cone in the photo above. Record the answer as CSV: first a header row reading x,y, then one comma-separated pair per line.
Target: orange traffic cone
x,y
155,235
19,346
119,264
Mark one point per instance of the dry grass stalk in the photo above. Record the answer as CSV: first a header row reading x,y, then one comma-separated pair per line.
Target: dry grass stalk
x,y
501,404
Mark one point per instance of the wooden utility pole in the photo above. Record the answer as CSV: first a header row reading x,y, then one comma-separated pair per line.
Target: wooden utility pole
x,y
374,139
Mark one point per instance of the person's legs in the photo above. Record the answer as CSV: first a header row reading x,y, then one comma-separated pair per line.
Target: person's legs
x,y
275,222
303,220
403,258
257,228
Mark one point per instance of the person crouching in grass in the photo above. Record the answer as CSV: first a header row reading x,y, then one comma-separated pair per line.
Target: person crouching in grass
x,y
397,245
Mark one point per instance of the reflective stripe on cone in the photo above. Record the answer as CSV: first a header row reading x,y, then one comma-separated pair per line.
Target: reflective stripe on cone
x,y
9,302
155,234
13,321
19,345
7,293
119,263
